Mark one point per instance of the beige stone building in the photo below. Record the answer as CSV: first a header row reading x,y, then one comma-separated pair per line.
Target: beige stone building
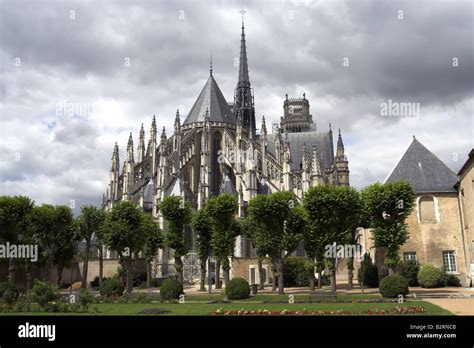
x,y
438,234
465,187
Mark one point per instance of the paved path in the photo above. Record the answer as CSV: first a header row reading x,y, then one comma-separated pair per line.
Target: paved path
x,y
458,306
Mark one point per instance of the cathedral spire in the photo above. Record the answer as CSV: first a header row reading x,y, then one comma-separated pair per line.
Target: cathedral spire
x,y
210,66
243,66
141,145
340,146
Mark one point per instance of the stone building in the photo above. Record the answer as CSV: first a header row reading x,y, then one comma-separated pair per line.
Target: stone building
x,y
435,225
465,188
216,149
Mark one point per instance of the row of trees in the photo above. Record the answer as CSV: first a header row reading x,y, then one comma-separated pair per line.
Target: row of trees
x,y
276,224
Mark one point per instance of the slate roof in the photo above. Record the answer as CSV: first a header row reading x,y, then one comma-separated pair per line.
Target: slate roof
x,y
425,171
210,98
322,141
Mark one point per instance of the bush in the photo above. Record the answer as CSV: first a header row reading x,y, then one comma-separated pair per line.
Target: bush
x,y
139,278
8,293
410,271
393,285
368,273
430,276
111,287
296,271
237,289
85,298
171,289
452,280
95,283
44,293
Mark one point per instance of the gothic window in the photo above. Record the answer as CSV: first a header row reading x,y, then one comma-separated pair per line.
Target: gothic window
x,y
426,207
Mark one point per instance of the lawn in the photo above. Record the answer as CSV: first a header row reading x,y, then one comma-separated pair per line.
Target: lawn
x,y
205,304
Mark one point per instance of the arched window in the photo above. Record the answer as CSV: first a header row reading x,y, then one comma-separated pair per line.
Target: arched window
x,y
426,207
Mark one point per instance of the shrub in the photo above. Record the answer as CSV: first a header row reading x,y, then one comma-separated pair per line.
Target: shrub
x,y
410,271
393,285
368,273
430,276
95,283
296,271
8,293
237,289
111,287
85,298
139,278
171,289
44,293
452,280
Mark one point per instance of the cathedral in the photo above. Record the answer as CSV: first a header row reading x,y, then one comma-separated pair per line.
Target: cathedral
x,y
217,148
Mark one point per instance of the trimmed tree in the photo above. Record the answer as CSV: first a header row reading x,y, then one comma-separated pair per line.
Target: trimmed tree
x,y
333,212
89,223
153,241
202,226
177,214
388,206
279,224
222,210
123,234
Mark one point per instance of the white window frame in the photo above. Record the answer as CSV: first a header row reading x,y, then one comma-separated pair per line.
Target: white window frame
x,y
407,256
450,262
257,275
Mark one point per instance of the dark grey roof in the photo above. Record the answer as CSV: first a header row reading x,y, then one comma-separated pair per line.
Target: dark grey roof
x,y
297,140
425,171
149,192
210,98
228,187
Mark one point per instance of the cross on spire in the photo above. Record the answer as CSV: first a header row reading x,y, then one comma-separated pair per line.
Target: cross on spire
x,y
242,12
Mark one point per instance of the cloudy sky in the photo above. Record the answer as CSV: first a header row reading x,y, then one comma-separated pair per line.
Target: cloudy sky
x,y
76,76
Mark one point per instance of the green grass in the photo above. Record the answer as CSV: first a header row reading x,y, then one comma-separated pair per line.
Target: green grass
x,y
198,305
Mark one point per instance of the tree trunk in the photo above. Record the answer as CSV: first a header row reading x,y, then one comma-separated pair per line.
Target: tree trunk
x,y
202,286
60,275
148,274
320,277
350,273
85,268
218,275
178,266
275,276
260,273
11,271
128,267
333,275
280,277
28,277
311,279
225,269
101,265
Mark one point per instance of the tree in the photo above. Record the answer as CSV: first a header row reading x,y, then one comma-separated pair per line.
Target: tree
x,y
333,212
279,222
388,206
99,242
123,234
222,210
55,230
89,223
251,229
15,225
177,214
202,226
153,241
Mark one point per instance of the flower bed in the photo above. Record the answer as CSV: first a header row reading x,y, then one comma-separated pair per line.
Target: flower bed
x,y
391,311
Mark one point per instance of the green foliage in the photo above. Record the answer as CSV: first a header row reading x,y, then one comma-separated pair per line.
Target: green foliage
x,y
388,205
177,215
410,271
393,285
43,293
368,273
297,271
15,218
202,226
221,211
85,298
171,289
237,289
112,287
430,276
153,236
452,280
89,222
8,293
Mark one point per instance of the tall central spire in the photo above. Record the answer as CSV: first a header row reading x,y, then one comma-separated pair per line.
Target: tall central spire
x,y
244,108
243,65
